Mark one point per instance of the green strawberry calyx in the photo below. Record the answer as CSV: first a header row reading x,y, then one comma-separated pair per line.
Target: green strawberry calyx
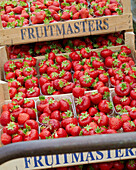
x,y
46,120
98,130
26,100
106,95
41,97
123,86
69,113
65,63
110,104
79,101
31,90
27,129
61,83
11,126
88,127
50,90
87,78
118,107
62,73
131,123
51,101
84,115
124,99
54,74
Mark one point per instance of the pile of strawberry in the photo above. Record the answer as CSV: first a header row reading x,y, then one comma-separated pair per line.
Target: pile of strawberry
x,y
41,48
65,46
19,51
56,75
116,59
97,41
88,69
116,165
34,49
54,116
44,12
21,78
14,13
73,10
96,113
124,99
57,117
105,7
19,122
125,73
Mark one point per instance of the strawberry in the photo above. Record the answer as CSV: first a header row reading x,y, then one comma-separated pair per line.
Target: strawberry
x,y
132,113
129,126
78,92
17,138
31,135
65,16
6,139
115,123
12,128
64,105
60,133
54,105
125,118
75,131
22,118
76,16
84,13
32,123
131,165
18,9
5,118
45,134
106,166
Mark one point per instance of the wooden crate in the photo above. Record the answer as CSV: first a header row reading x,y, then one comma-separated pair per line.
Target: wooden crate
x,y
62,152
4,93
68,29
129,41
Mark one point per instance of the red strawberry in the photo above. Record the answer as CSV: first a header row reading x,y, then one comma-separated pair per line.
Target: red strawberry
x,y
12,128
45,134
64,105
18,9
78,92
129,126
106,166
22,118
84,13
76,16
60,133
5,118
65,16
6,139
131,165
115,123
17,138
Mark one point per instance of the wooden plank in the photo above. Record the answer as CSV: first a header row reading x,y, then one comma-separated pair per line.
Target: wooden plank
x,y
1,95
3,60
126,6
5,90
69,159
130,41
76,28
1,27
135,54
